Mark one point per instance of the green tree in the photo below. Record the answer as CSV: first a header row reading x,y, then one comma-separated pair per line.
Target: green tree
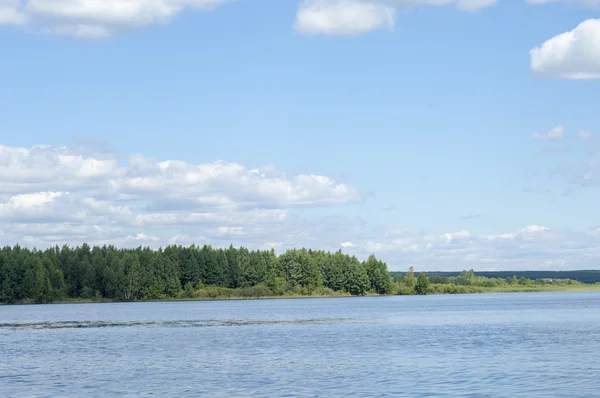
x,y
422,284
235,267
129,274
190,268
131,271
188,290
59,288
466,278
357,280
398,277
378,274
302,270
409,278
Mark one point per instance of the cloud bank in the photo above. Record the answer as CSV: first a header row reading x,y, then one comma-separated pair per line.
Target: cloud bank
x,y
58,195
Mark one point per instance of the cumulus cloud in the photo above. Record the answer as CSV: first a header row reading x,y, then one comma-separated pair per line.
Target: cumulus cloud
x,y
343,17
570,55
172,184
355,17
142,237
94,19
555,134
55,195
531,247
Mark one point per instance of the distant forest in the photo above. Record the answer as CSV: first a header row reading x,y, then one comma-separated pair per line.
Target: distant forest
x,y
107,272
583,276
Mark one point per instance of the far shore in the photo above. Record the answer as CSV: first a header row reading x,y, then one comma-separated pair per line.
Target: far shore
x,y
480,290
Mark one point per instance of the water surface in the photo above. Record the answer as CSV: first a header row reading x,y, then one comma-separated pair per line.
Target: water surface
x,y
500,345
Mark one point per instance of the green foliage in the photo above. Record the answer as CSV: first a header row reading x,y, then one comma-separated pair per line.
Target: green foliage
x,y
188,290
356,279
379,277
323,291
453,289
301,269
403,290
581,276
109,273
409,278
422,284
469,282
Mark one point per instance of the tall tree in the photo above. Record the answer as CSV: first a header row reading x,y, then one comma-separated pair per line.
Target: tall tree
x,y
422,284
378,274
357,280
409,278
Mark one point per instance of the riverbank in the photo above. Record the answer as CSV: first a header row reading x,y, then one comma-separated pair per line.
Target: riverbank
x,y
457,289
433,290
548,288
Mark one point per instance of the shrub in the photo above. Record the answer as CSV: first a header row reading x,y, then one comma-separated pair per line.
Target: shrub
x,y
323,291
404,290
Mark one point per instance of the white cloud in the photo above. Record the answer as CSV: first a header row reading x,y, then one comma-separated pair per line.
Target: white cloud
x,y
93,19
174,185
531,247
42,207
343,17
142,237
143,200
571,55
355,17
506,235
532,229
451,236
54,196
9,13
555,134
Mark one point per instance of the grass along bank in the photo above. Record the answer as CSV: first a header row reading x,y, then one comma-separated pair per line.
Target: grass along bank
x,y
222,294
468,282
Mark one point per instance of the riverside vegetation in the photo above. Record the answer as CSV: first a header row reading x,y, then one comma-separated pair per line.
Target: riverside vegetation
x,y
176,272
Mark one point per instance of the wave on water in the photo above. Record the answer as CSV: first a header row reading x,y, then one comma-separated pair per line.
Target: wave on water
x,y
163,324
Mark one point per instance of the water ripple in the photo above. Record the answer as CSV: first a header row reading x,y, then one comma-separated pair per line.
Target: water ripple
x,y
188,323
532,346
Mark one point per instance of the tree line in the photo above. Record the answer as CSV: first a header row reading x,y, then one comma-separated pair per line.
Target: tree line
x,y
467,281
107,272
583,276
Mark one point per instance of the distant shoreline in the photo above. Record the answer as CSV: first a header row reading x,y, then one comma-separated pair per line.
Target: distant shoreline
x,y
476,290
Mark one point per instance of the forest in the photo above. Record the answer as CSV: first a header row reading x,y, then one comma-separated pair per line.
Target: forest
x,y
109,273
583,276
467,281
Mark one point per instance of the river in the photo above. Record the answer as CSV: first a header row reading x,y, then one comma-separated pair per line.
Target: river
x,y
488,345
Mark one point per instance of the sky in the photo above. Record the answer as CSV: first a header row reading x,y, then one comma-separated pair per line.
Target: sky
x,y
439,134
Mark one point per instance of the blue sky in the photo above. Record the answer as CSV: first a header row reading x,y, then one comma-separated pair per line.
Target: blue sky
x,y
439,134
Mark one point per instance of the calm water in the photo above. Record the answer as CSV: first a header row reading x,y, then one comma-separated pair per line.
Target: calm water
x,y
531,345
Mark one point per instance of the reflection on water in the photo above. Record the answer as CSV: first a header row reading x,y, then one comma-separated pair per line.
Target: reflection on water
x,y
529,345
